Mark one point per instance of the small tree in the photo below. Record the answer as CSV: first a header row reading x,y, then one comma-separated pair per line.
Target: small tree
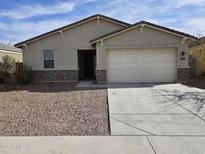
x,y
201,54
200,51
24,74
201,45
7,68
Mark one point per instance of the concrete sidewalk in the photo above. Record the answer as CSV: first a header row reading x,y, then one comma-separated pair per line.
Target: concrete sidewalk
x,y
102,145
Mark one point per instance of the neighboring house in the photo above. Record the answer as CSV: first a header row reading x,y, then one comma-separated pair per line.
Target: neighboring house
x,y
197,51
11,51
109,50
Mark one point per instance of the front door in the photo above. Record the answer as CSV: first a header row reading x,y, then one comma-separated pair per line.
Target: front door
x,y
86,61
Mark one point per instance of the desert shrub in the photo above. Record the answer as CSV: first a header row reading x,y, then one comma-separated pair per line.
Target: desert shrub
x,y
7,69
24,74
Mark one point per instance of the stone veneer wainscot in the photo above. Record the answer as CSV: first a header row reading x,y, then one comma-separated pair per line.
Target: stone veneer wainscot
x,y
183,75
56,75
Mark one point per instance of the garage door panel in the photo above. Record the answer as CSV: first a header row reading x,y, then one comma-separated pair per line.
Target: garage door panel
x,y
166,77
115,76
131,62
115,63
114,59
131,69
144,65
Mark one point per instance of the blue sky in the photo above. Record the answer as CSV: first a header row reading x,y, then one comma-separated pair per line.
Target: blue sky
x,y
22,19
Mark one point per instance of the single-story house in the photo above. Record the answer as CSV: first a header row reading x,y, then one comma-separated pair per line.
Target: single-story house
x,y
109,50
197,51
6,49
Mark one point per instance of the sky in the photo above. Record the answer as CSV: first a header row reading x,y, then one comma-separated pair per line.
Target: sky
x,y
23,19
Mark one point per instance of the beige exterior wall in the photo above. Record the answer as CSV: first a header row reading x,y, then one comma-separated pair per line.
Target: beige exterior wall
x,y
66,47
148,38
16,56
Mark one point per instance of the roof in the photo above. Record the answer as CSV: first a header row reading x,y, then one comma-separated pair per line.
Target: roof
x,y
182,34
8,47
20,44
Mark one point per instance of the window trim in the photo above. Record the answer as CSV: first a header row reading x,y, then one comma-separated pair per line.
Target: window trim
x,y
48,58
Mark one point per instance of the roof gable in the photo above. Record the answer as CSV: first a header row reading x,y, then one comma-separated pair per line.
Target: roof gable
x,y
144,23
97,16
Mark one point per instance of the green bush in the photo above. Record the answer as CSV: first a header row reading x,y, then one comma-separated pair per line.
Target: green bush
x,y
24,74
7,69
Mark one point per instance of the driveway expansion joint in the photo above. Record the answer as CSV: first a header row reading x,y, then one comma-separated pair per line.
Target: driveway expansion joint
x,y
151,145
133,126
67,144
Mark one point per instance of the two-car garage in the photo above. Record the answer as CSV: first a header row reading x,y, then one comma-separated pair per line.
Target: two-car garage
x,y
143,52
141,65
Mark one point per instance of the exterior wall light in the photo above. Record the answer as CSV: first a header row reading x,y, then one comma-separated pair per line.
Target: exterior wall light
x,y
183,53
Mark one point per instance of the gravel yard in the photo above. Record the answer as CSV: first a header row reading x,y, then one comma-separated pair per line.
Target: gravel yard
x,y
53,110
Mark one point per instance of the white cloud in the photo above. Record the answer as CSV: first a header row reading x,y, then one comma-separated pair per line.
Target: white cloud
x,y
196,25
27,26
25,11
188,25
30,11
134,10
126,10
180,3
170,13
18,31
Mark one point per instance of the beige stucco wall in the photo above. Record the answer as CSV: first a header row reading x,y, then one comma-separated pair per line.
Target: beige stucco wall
x,y
66,47
16,56
148,38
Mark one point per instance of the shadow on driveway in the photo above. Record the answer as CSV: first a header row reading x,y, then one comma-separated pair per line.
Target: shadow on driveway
x,y
192,100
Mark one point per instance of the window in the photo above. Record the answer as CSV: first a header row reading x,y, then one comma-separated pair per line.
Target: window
x,y
48,58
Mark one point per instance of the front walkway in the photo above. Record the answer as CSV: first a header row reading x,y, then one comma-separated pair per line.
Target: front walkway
x,y
90,84
102,145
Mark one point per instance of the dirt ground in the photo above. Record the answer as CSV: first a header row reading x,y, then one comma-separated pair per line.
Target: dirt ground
x,y
53,110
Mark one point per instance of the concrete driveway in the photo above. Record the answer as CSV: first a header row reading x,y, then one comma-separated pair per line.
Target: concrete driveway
x,y
159,109
170,116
